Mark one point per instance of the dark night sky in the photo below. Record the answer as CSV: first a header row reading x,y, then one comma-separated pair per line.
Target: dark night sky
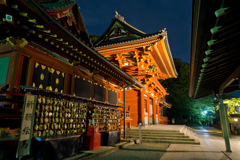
x,y
148,16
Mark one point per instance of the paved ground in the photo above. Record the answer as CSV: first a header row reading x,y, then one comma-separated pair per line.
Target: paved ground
x,y
212,147
145,151
162,127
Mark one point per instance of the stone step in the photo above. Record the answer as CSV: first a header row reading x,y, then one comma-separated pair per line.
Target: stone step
x,y
162,138
145,130
156,133
184,130
191,132
170,141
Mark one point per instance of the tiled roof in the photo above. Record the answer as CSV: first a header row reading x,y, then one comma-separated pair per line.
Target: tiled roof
x,y
116,44
131,28
129,40
40,48
128,27
58,5
64,4
47,17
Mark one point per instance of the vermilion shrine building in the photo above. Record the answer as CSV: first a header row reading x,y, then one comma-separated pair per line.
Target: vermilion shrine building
x,y
45,51
147,57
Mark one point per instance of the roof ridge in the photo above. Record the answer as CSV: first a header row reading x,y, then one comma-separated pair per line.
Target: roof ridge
x,y
121,18
70,3
134,28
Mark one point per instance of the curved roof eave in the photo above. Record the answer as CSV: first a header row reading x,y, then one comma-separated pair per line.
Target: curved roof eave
x,y
47,17
170,55
131,41
163,34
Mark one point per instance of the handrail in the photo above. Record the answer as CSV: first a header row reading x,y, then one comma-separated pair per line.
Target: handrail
x,y
140,133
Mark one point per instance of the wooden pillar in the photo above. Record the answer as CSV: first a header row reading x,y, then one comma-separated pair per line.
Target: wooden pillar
x,y
106,85
30,69
19,71
67,83
72,84
93,84
142,113
148,108
154,111
14,68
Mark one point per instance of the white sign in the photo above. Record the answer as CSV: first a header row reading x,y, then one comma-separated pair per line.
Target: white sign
x,y
27,117
26,126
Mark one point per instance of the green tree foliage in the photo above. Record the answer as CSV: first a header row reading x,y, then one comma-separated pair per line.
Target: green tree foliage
x,y
184,107
231,104
93,37
199,106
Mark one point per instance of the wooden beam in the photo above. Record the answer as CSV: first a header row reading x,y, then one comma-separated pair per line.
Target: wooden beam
x,y
114,50
229,80
239,81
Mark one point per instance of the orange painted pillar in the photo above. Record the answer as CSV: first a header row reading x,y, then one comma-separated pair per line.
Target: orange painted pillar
x,y
148,108
157,110
154,111
142,113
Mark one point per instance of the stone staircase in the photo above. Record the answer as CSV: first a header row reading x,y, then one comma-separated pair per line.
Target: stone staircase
x,y
184,136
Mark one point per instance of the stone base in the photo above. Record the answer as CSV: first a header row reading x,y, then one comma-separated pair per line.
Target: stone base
x,y
110,138
143,123
154,122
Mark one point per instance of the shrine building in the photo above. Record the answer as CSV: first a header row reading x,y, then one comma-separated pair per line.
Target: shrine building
x,y
146,57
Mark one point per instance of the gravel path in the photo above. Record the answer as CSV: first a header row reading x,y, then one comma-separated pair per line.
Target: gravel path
x,y
145,151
